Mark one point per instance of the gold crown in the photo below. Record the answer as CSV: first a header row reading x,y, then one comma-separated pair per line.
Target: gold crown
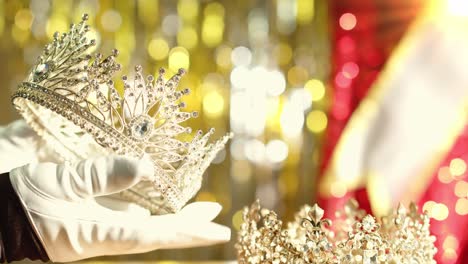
x,y
402,237
69,98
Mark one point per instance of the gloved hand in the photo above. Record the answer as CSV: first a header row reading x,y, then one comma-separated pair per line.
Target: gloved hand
x,y
19,145
59,202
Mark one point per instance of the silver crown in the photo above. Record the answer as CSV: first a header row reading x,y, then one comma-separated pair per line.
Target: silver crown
x,y
69,98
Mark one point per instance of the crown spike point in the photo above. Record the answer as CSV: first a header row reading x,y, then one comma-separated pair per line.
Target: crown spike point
x,y
70,99
263,239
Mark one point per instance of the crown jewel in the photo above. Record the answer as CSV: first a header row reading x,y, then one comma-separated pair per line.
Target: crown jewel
x,y
70,99
402,237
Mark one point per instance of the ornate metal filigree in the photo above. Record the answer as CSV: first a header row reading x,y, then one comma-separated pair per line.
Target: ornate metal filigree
x,y
70,99
402,237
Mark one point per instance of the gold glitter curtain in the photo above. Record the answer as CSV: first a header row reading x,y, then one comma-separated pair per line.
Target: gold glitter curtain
x,y
256,68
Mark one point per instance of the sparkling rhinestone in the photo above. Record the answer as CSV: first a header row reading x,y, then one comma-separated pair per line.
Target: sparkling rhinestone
x,y
40,71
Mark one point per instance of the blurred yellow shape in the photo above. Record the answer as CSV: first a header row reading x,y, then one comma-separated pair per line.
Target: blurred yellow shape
x,y
316,121
148,11
237,219
19,36
297,75
56,23
158,49
23,19
213,104
444,175
205,197
461,189
223,56
188,9
179,58
338,189
450,242
187,37
457,167
284,53
461,207
316,89
213,24
427,207
440,212
305,11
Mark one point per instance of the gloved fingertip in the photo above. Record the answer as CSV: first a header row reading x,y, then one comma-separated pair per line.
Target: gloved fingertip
x,y
201,211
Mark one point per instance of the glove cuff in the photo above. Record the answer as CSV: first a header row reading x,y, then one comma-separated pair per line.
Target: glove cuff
x,y
18,239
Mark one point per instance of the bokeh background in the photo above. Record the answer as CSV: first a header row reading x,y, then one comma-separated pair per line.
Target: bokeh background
x,y
285,76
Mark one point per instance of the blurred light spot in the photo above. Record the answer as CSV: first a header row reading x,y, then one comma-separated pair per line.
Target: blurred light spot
x,y
19,36
305,11
427,207
179,58
206,197
301,98
148,12
276,83
223,56
449,255
187,37
238,148
187,9
273,111
255,151
171,24
241,56
350,70
213,104
440,212
237,219
241,171
457,167
444,175
158,49
347,21
56,23
461,207
276,151
291,120
341,81
450,242
316,89
284,53
338,189
111,20
286,11
214,8
297,75
346,45
258,26
213,24
457,7
240,77
317,121
461,189
23,19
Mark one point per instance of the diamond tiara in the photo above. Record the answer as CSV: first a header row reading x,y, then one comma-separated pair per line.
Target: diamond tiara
x,y
402,237
69,99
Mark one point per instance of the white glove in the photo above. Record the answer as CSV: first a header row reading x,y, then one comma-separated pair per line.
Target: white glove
x,y
18,145
59,202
